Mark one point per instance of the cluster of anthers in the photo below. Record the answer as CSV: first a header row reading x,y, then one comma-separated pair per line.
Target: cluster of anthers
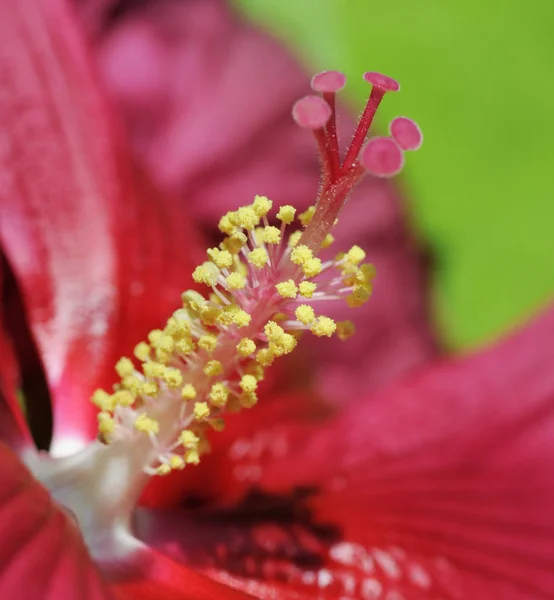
x,y
263,286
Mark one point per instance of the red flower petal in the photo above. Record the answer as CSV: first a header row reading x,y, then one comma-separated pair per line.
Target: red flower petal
x,y
203,70
42,554
97,264
153,576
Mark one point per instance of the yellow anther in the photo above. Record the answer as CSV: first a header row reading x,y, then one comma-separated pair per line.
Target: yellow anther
x,y
234,242
312,267
185,346
206,273
305,314
270,235
153,369
208,342
177,328
162,356
247,218
154,336
219,394
241,318
189,439
133,384
149,388
253,368
294,238
201,410
124,367
368,272
301,254
213,368
307,288
192,300
122,398
246,347
258,257
165,343
142,351
287,289
359,296
192,457
102,400
323,326
221,258
286,214
188,392
209,314
146,424
228,222
328,240
106,424
163,469
355,255
306,216
345,330
248,383
285,345
248,399
265,357
173,378
176,462
273,331
217,424
235,281
261,205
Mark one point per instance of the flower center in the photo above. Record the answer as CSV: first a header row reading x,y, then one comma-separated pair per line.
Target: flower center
x,y
263,284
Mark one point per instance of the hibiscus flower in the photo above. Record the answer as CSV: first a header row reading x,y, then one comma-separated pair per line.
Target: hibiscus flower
x,y
438,486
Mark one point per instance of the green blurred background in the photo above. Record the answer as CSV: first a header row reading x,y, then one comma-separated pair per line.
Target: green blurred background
x,y
479,79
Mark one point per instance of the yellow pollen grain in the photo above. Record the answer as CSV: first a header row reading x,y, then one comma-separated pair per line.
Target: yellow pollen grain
x,y
122,398
301,254
189,439
222,258
305,314
328,241
355,255
176,462
201,410
177,329
359,296
188,392
345,330
294,238
307,288
207,342
154,336
149,388
248,399
173,378
227,224
163,469
246,347
287,289
102,400
206,273
213,368
248,383
273,331
306,216
241,318
261,205
153,369
286,214
219,394
106,424
133,384
247,218
312,267
324,326
265,357
270,235
185,346
192,457
258,257
124,367
142,351
234,242
145,424
235,281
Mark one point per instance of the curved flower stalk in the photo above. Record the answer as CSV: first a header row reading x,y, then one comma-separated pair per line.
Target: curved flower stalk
x,y
438,487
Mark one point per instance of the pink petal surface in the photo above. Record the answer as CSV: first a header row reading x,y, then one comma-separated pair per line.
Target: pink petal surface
x,y
100,258
42,555
209,113
441,486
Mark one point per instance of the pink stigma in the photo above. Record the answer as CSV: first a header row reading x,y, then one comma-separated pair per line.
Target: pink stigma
x,y
382,157
387,84
311,112
406,133
328,81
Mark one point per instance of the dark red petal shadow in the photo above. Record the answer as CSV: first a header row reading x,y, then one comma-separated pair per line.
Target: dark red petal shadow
x,y
99,256
42,554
